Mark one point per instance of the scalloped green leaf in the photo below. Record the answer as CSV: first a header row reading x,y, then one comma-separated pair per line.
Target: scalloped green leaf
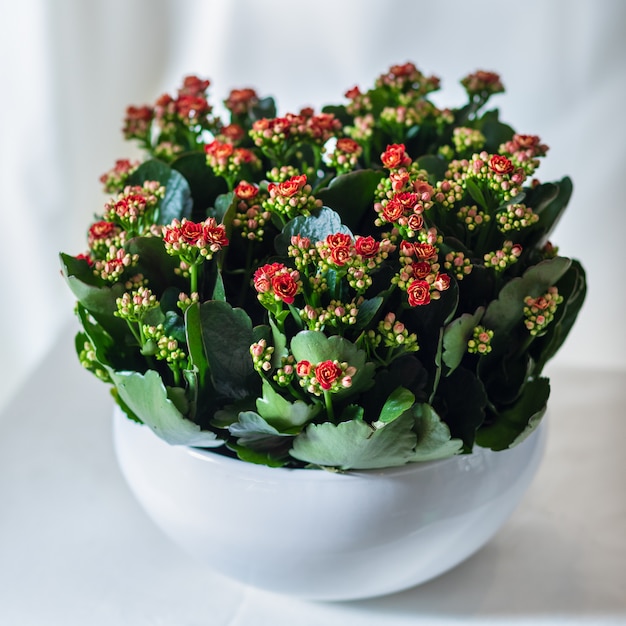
x,y
314,346
399,401
316,227
147,397
455,337
507,310
227,335
177,202
195,343
356,445
350,195
434,440
515,423
282,414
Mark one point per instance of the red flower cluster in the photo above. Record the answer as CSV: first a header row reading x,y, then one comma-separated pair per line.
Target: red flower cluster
x,y
186,238
325,376
276,282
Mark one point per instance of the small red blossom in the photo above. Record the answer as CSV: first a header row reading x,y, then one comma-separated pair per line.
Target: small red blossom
x,y
347,145
102,230
425,250
441,282
84,257
240,101
340,255
418,292
393,210
193,86
326,373
500,164
338,240
233,133
303,368
246,191
395,157
353,93
421,269
191,232
214,234
285,286
263,276
415,222
367,247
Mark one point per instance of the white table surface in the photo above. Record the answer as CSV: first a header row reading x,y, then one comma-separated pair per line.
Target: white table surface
x,y
76,549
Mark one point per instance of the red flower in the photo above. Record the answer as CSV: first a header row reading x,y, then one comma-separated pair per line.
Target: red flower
x,y
421,269
220,151
291,187
393,210
395,157
190,232
233,132
285,286
240,101
415,222
246,191
353,93
191,106
193,86
263,276
84,257
303,368
338,240
339,255
348,146
102,230
442,282
367,247
425,251
418,292
214,234
500,164
326,373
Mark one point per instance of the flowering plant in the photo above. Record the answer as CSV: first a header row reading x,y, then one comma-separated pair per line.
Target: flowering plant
x,y
362,287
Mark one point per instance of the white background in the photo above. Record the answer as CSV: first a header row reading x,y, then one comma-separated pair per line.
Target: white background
x,y
69,68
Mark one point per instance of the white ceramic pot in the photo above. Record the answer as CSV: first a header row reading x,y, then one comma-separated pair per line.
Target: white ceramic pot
x,y
321,535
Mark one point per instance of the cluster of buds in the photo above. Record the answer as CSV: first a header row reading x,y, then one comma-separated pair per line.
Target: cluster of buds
x,y
162,346
345,156
102,235
227,161
290,198
397,119
467,140
250,217
186,300
262,356
503,258
482,84
138,123
457,263
276,283
515,217
407,78
191,240
132,306
472,217
395,335
241,101
115,179
539,312
480,341
327,376
337,314
88,359
525,151
285,373
135,206
115,262
498,173
190,106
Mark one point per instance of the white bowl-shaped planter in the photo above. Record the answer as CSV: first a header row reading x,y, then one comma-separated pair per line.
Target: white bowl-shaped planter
x,y
322,535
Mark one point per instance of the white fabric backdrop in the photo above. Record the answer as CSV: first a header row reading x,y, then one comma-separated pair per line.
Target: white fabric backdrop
x,y
68,68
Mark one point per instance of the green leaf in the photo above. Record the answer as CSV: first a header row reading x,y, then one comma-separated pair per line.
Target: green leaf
x,y
461,401
434,441
507,310
496,133
227,335
147,397
455,338
476,192
356,445
204,185
400,400
350,195
282,414
255,434
177,201
549,206
515,423
368,309
316,227
434,165
155,263
315,346
195,344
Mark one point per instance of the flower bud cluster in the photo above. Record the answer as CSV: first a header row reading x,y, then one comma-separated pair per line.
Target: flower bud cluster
x,y
291,198
503,258
132,306
262,356
337,314
525,151
87,358
115,263
327,376
472,217
185,301
394,334
515,217
285,373
226,160
362,128
458,264
539,312
250,217
480,341
163,347
407,78
467,140
345,156
241,101
115,179
482,83
135,205
498,173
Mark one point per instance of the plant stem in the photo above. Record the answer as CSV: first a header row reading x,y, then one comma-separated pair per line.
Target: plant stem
x,y
193,276
329,405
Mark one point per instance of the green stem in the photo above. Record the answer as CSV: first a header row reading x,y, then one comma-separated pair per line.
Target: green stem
x,y
329,405
193,276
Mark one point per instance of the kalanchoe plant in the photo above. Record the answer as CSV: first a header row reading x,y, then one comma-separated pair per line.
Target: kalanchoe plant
x,y
361,287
